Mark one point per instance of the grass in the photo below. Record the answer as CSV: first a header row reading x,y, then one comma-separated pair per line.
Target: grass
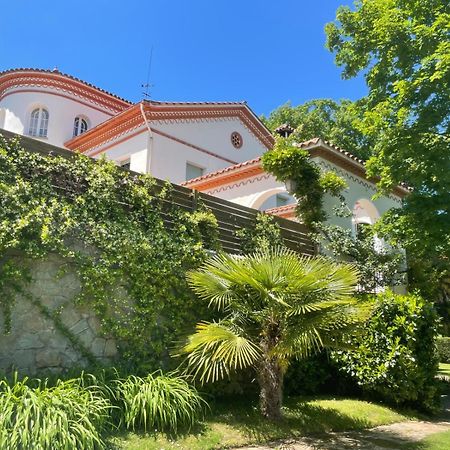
x,y
444,369
164,402
438,441
36,416
241,424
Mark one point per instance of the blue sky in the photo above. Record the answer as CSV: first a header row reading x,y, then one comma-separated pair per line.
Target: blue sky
x,y
264,52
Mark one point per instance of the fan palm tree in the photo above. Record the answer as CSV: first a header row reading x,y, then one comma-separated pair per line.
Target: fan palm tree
x,y
276,305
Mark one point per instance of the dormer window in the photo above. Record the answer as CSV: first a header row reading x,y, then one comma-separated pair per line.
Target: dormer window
x,y
80,125
38,122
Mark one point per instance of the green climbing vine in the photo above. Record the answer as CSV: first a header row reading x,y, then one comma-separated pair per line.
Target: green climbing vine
x,y
289,162
377,266
264,234
128,243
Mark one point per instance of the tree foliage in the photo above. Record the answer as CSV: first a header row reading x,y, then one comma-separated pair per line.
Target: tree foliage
x,y
288,162
403,49
378,265
396,358
336,122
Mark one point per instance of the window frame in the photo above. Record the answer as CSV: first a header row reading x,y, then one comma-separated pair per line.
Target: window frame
x,y
78,122
196,166
38,124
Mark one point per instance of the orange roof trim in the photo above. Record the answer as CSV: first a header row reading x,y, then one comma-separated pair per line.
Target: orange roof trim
x,y
227,175
131,119
286,211
11,80
317,147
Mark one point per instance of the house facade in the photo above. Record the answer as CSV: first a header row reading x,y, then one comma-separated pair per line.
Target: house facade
x,y
211,147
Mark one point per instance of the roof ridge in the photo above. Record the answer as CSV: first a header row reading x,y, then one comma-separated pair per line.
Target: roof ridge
x,y
318,140
164,102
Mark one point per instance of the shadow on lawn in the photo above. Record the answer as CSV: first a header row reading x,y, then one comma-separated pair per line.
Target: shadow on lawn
x,y
300,418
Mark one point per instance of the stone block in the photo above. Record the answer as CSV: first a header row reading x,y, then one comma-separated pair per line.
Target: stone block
x,y
80,327
47,358
35,323
23,358
110,349
70,316
98,346
29,341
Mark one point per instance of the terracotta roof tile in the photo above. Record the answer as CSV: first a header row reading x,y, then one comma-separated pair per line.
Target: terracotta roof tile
x,y
315,142
225,170
158,102
281,209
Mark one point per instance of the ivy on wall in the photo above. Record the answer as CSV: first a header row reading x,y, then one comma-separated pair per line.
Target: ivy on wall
x,y
289,162
111,227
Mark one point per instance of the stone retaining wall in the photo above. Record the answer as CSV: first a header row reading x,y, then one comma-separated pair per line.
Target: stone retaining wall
x,y
35,344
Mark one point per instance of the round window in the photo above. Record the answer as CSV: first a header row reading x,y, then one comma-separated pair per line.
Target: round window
x,y
236,139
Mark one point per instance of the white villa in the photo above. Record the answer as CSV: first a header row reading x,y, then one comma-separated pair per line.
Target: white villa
x,y
210,147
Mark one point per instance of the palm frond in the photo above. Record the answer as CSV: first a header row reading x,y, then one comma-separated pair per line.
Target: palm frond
x,y
217,348
315,329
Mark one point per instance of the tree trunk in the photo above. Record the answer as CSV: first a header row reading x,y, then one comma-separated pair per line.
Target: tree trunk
x,y
270,379
270,375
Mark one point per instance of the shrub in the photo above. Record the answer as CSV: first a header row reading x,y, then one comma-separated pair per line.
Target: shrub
x,y
158,401
443,349
318,374
35,416
395,360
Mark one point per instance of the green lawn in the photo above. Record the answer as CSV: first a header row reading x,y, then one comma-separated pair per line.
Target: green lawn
x,y
444,369
235,425
439,441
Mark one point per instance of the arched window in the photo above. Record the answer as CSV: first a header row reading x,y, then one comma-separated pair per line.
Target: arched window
x,y
80,125
38,122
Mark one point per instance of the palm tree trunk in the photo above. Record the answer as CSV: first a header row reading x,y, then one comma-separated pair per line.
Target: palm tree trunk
x,y
270,377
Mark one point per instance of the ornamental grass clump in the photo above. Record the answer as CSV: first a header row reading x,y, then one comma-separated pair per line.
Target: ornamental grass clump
x,y
35,416
159,402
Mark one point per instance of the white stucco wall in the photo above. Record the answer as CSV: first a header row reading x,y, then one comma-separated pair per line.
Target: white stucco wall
x,y
253,191
15,110
215,135
259,192
361,191
170,149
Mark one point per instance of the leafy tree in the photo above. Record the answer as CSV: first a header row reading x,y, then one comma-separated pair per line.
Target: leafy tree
x,y
395,359
403,49
276,306
327,119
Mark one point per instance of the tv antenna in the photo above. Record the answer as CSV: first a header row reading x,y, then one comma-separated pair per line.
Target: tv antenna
x,y
148,85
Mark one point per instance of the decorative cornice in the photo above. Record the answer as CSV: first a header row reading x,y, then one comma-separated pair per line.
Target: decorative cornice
x,y
124,122
316,147
264,176
13,80
355,178
226,175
